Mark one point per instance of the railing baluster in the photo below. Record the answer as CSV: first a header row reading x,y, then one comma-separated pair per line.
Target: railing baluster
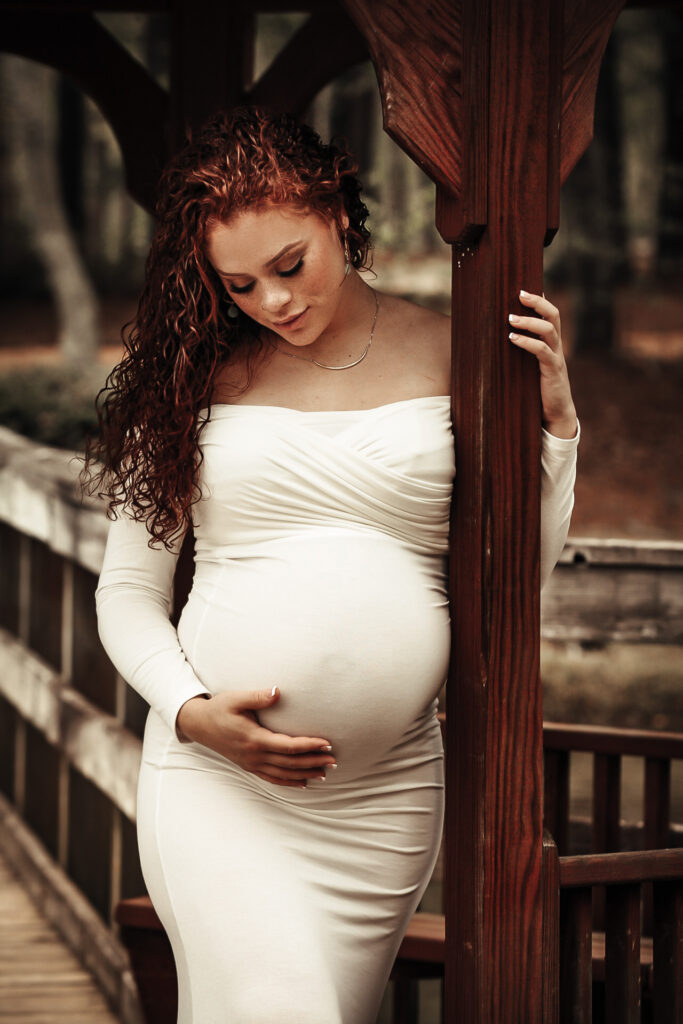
x,y
606,818
606,802
576,964
622,954
551,930
668,952
656,818
556,797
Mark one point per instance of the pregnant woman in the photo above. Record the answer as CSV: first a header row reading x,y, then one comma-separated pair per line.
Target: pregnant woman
x,y
290,794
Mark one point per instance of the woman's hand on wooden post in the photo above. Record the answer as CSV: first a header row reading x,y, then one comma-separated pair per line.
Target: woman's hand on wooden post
x,y
559,413
228,724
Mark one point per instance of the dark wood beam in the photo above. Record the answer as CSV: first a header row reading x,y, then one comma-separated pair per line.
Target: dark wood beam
x,y
324,47
417,52
133,104
587,28
212,47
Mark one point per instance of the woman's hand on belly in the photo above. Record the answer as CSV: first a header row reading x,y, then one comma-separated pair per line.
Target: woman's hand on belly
x,y
228,724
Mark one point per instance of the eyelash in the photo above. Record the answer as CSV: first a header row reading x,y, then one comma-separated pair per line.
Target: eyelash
x,y
282,273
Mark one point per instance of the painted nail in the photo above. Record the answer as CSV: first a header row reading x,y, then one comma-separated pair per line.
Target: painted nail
x,y
513,319
321,778
522,292
513,336
326,748
333,765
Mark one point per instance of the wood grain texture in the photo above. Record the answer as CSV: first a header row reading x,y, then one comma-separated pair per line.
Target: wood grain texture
x,y
621,868
622,955
556,796
668,952
130,100
493,870
587,27
551,931
575,956
417,52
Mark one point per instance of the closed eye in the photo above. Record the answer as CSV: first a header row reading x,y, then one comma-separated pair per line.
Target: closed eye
x,y
281,273
293,270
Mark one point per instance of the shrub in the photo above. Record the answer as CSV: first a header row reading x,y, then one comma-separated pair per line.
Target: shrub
x,y
54,405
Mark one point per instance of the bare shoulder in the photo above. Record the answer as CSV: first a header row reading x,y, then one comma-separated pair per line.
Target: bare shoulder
x,y
409,321
419,336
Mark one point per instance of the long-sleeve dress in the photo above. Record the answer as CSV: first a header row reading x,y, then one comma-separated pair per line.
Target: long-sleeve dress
x,y
320,555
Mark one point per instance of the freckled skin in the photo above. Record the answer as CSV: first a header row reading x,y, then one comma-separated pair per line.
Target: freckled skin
x,y
319,289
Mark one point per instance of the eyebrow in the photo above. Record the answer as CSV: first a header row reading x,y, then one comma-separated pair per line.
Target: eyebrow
x,y
269,263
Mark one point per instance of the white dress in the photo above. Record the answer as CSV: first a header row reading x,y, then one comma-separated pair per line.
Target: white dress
x,y
321,543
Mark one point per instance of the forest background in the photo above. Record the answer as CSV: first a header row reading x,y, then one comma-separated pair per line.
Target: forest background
x,y
75,244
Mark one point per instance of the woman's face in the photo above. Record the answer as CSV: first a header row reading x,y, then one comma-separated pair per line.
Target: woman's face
x,y
283,266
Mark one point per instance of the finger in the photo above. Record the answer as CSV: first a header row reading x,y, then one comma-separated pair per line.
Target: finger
x,y
300,760
532,323
281,743
540,304
252,700
538,348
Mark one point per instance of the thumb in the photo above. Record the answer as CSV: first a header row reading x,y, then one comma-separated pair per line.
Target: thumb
x,y
256,699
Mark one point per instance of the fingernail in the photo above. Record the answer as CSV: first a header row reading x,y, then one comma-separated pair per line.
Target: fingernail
x,y
513,336
333,765
273,691
513,319
326,748
522,292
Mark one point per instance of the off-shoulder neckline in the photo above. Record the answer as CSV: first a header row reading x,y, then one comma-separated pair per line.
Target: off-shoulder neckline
x,y
323,412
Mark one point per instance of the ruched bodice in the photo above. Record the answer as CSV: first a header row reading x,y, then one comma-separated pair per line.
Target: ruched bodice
x,y
271,472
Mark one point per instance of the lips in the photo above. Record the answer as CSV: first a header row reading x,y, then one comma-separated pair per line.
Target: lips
x,y
291,321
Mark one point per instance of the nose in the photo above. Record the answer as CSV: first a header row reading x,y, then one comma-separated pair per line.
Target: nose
x,y
275,297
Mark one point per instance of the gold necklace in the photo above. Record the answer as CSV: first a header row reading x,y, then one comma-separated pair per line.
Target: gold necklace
x,y
324,366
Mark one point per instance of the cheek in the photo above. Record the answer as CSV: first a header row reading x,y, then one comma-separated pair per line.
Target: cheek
x,y
321,279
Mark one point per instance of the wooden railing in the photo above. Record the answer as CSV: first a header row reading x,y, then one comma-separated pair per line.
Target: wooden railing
x,y
632,968
70,728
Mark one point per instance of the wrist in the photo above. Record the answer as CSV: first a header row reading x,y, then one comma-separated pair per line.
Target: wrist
x,y
188,716
563,426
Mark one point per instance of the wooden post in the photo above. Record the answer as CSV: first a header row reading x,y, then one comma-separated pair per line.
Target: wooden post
x,y
494,894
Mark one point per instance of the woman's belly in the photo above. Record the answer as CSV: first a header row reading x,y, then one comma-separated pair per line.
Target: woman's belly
x,y
353,629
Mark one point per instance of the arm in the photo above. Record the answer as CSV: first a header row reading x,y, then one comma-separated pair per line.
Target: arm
x,y
558,474
133,600
561,429
133,605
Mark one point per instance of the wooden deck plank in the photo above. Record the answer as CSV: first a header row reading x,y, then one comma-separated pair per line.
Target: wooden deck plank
x,y
41,981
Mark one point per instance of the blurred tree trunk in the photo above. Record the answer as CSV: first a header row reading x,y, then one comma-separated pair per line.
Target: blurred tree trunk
x,y
595,204
640,65
31,120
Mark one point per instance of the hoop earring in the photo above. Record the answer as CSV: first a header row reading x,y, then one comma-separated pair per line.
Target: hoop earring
x,y
233,311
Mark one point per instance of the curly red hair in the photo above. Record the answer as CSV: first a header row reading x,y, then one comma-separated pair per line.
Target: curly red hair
x,y
146,455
